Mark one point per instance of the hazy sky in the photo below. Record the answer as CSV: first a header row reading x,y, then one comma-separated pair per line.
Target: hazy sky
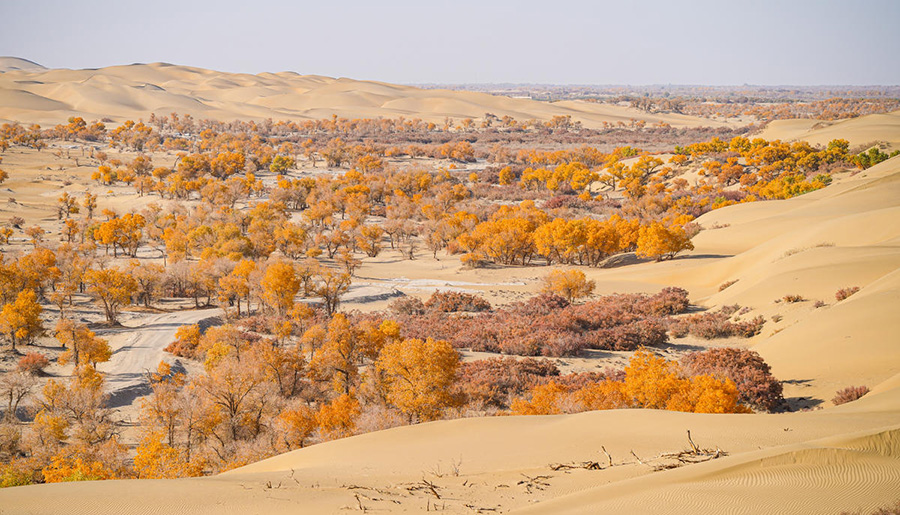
x,y
420,41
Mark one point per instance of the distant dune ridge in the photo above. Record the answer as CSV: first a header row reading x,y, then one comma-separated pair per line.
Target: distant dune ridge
x,y
34,94
13,64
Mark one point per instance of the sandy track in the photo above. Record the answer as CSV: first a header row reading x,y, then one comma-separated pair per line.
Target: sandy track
x,y
138,349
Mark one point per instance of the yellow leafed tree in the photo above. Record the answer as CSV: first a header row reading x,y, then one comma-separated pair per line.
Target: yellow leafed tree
x,y
417,375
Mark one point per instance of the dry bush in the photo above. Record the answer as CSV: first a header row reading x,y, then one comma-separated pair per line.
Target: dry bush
x,y
790,299
33,363
407,306
548,325
757,386
849,394
844,293
726,284
669,301
453,302
495,381
715,324
187,337
257,323
579,380
647,382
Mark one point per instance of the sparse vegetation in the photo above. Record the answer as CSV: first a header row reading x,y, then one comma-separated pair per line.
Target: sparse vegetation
x,y
716,324
726,284
849,394
845,293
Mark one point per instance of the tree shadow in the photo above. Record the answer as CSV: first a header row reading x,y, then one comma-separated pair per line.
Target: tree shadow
x,y
680,347
802,403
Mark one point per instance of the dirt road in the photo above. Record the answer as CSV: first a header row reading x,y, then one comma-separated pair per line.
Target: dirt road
x,y
138,349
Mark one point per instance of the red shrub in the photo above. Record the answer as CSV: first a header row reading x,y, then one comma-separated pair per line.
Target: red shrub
x,y
453,301
647,332
33,363
546,325
670,301
539,305
407,306
257,323
495,381
849,394
755,383
581,379
843,293
715,324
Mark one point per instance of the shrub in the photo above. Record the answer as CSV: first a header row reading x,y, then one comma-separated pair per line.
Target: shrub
x,y
547,325
407,306
843,293
187,337
726,284
540,305
257,323
729,310
581,379
751,374
630,336
790,299
453,301
16,473
647,382
819,304
849,394
715,325
495,381
670,301
33,363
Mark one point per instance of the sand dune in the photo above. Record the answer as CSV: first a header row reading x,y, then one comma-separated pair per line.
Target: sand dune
x,y
816,462
10,64
863,130
828,475
35,94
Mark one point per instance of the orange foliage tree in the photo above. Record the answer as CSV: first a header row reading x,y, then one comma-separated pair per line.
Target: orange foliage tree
x,y
417,375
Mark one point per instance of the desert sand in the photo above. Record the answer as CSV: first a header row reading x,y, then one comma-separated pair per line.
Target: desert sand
x,y
824,460
881,128
33,94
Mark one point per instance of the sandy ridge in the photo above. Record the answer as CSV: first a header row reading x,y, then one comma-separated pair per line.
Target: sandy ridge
x,y
135,91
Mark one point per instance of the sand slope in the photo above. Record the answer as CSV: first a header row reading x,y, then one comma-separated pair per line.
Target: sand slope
x,y
863,130
11,64
855,466
34,94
